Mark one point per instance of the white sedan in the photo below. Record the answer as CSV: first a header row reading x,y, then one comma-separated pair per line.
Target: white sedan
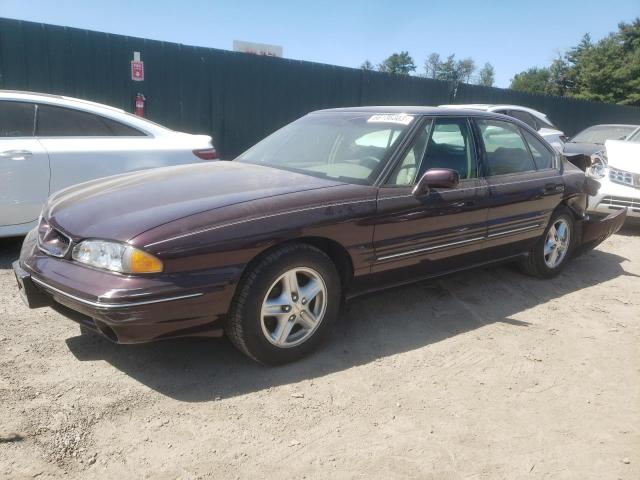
x,y
49,142
535,119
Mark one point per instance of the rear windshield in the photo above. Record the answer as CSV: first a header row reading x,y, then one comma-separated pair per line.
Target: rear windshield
x,y
350,147
599,134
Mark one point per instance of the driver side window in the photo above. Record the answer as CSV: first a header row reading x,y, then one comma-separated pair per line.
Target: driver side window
x,y
442,143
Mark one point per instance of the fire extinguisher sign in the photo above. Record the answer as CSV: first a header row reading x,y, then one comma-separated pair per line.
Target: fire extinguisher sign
x,y
137,68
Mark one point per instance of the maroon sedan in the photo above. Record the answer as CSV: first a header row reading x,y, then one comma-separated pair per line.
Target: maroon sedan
x,y
336,204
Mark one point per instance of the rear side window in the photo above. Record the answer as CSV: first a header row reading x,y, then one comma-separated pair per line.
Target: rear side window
x,y
505,150
542,156
17,119
66,122
525,117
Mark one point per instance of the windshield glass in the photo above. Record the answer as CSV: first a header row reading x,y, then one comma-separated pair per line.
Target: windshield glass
x,y
635,137
601,133
351,147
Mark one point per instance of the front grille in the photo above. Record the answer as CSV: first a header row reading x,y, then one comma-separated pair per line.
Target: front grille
x,y
52,241
625,178
618,203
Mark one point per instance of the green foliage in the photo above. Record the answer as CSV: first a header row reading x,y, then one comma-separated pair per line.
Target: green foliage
x,y
400,63
534,80
604,71
486,75
451,70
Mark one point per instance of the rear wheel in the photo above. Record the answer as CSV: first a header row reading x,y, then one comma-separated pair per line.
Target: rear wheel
x,y
551,253
285,305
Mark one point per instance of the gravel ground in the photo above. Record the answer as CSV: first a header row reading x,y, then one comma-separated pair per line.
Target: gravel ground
x,y
486,374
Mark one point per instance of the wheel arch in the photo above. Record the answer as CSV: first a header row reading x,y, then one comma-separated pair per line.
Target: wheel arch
x,y
336,252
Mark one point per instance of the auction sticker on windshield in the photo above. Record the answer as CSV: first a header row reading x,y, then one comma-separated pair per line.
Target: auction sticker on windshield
x,y
400,118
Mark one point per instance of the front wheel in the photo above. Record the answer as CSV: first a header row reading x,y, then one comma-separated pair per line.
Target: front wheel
x,y
285,305
551,253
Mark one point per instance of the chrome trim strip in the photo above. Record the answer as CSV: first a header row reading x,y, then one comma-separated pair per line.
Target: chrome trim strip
x,y
263,217
112,305
498,234
427,249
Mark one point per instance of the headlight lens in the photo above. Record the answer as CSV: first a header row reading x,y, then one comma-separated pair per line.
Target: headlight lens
x,y
115,256
598,168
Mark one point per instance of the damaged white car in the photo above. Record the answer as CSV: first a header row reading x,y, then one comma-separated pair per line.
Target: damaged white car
x,y
617,168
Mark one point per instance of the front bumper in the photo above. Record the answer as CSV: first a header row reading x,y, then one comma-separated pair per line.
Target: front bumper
x,y
613,197
125,309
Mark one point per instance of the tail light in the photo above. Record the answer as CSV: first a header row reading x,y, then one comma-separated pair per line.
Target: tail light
x,y
206,154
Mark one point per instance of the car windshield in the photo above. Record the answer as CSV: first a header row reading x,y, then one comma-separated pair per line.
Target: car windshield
x,y
635,137
350,147
601,133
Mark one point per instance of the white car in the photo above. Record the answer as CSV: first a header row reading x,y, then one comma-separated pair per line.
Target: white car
x,y
535,119
50,142
617,168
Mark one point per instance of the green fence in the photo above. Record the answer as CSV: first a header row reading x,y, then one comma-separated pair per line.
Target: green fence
x,y
236,98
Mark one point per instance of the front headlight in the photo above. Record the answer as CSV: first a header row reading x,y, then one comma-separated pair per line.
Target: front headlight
x,y
598,168
115,256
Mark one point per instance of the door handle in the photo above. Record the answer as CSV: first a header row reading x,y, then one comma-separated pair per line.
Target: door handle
x,y
554,187
16,154
468,203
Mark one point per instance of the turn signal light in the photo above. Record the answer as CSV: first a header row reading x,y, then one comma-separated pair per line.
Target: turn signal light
x,y
142,262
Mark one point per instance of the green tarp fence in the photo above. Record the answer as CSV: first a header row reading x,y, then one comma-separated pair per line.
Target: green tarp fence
x,y
234,97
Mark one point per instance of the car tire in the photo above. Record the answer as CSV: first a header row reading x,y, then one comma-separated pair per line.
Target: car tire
x,y
540,260
266,288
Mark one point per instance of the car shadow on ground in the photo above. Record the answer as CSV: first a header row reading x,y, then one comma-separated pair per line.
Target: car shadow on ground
x,y
370,327
9,251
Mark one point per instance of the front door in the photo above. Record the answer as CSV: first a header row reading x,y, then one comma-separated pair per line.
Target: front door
x,y
435,232
24,165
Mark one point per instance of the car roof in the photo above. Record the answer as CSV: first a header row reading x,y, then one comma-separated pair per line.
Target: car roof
x,y
407,109
87,106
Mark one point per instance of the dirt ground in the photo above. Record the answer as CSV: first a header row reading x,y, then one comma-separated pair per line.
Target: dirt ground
x,y
487,374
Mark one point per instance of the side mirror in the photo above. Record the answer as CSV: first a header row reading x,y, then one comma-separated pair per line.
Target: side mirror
x,y
436,178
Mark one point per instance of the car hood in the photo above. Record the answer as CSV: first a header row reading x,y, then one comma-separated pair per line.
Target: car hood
x,y
123,206
623,155
588,149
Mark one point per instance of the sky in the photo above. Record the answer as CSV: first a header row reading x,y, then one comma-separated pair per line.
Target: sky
x,y
511,35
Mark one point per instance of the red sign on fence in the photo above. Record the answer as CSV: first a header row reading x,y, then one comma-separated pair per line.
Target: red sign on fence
x,y
137,70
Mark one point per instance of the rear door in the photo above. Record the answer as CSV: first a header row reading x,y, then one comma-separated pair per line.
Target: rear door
x,y
525,185
83,146
24,165
433,232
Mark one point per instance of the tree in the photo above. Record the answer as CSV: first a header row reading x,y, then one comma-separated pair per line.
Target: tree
x,y
432,65
605,71
464,69
367,65
448,69
486,75
400,63
534,80
559,83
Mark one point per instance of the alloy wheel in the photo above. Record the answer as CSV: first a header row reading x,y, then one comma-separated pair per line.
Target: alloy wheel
x,y
294,307
557,243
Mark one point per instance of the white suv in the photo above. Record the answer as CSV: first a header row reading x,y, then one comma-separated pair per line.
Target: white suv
x,y
535,119
50,142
